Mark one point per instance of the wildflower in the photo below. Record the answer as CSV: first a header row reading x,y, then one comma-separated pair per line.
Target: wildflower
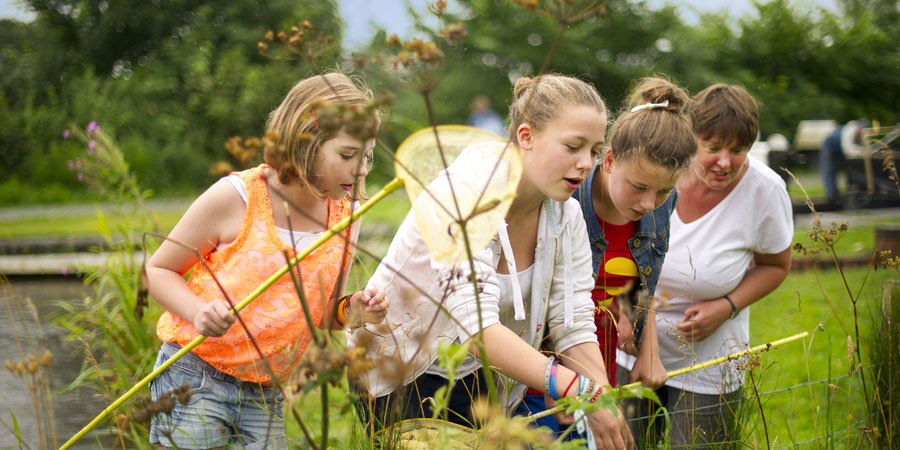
x,y
92,127
439,7
80,176
90,152
455,33
45,358
65,134
70,164
64,271
394,41
92,144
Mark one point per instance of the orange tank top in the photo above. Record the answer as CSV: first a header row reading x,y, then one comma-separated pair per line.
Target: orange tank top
x,y
275,319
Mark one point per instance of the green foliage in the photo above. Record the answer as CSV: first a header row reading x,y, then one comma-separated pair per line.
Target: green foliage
x,y
173,84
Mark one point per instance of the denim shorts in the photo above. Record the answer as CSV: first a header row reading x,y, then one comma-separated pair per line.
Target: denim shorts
x,y
223,411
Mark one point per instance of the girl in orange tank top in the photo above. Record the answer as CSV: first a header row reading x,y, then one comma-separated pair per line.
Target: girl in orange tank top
x,y
240,226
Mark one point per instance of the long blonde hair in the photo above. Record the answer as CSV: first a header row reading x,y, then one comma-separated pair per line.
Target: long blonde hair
x,y
538,100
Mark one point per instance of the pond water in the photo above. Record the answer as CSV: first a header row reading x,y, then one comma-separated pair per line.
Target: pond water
x,y
73,410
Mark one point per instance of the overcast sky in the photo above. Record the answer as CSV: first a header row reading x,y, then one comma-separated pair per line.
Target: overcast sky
x,y
362,15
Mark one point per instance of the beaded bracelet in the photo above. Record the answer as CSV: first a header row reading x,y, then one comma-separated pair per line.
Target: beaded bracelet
x,y
596,395
547,373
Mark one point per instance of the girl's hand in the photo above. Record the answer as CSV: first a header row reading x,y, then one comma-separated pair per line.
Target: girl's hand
x,y
368,305
610,430
704,318
648,369
626,336
561,417
213,319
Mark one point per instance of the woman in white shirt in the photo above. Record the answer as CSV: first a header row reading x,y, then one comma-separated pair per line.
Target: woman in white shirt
x,y
730,246
534,277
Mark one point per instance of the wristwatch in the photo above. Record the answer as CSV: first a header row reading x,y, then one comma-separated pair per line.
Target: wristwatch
x,y
734,310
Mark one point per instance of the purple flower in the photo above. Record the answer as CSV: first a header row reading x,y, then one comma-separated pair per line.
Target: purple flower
x,y
80,176
65,134
71,165
92,144
64,271
77,163
90,152
92,127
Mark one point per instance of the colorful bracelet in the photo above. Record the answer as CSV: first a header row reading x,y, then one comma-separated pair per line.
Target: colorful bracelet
x,y
565,392
596,395
553,393
341,317
547,373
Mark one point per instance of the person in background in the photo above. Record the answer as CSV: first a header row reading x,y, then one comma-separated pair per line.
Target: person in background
x,y
843,140
484,117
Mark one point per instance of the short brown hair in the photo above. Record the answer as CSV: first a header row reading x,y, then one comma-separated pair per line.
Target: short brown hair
x,y
538,100
662,134
294,121
727,113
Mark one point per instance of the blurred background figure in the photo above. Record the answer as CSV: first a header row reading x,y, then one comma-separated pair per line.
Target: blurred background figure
x,y
482,116
843,141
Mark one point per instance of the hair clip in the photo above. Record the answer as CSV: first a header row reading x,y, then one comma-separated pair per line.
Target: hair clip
x,y
315,119
664,104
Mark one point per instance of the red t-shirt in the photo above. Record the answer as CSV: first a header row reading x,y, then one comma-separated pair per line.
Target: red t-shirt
x,y
615,276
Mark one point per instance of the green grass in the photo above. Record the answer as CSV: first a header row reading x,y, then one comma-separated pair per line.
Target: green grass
x,y
77,225
801,303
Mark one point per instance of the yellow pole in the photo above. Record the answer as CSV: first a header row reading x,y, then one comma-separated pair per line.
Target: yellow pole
x,y
688,369
342,225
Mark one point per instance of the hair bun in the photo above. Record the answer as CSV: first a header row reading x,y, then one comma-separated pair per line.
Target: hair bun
x,y
522,85
658,90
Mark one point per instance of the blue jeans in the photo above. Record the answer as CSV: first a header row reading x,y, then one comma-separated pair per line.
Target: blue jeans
x,y
831,157
533,404
223,411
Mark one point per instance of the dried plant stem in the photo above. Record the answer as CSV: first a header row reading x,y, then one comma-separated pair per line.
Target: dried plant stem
x,y
855,309
762,413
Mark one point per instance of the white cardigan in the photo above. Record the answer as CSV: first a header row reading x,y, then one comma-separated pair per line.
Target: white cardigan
x,y
405,344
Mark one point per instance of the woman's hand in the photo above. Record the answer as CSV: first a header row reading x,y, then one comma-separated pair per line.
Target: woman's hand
x,y
213,319
648,369
704,318
610,430
626,335
369,306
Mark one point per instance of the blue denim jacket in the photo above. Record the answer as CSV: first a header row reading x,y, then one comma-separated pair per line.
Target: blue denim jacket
x,y
648,245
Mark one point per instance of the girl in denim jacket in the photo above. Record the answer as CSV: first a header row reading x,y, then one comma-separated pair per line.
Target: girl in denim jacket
x,y
626,202
534,278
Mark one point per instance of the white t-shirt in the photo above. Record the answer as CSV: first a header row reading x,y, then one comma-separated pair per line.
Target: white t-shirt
x,y
707,259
